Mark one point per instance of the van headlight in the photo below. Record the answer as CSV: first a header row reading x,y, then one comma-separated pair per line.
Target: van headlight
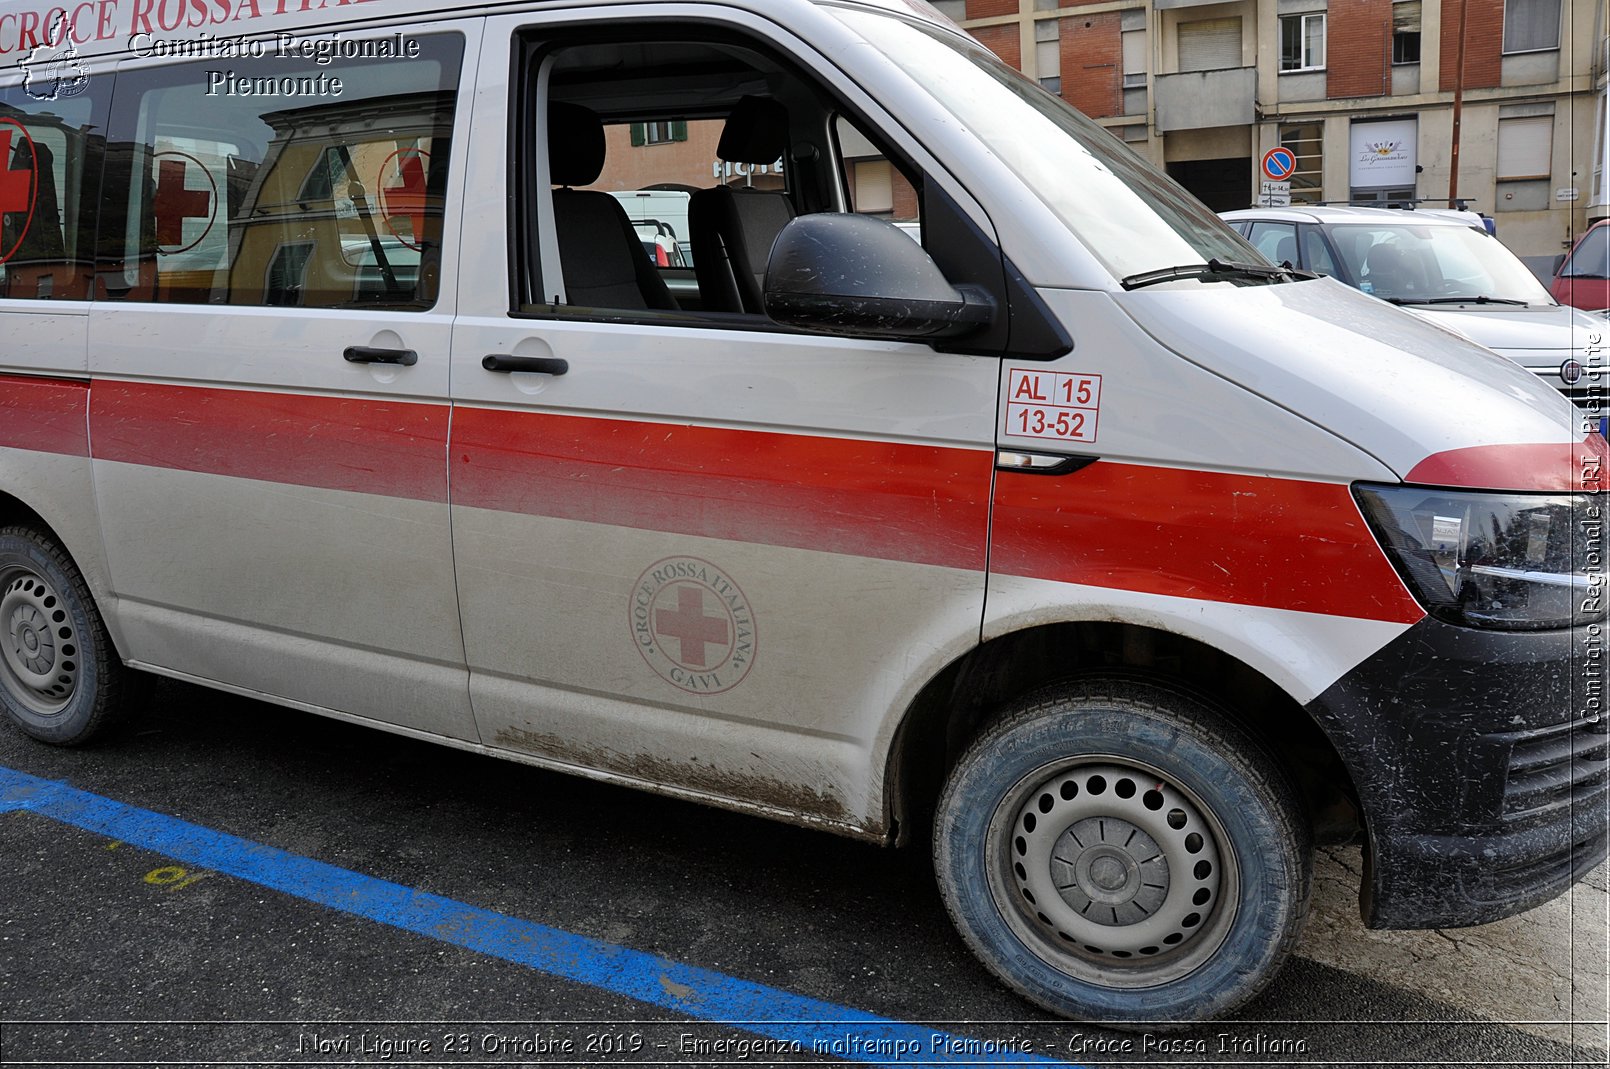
x,y
1494,560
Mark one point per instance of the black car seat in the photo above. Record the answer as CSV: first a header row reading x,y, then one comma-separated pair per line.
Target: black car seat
x,y
1391,271
603,258
732,230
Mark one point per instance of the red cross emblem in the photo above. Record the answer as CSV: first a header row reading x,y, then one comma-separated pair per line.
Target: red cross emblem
x,y
175,202
17,193
691,628
405,199
692,625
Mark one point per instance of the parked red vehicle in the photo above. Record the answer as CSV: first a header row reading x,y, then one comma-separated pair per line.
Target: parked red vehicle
x,y
1583,278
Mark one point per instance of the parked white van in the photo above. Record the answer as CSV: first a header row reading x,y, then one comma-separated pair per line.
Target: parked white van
x,y
1128,564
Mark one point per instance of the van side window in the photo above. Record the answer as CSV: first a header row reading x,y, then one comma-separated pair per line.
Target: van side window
x,y
52,143
664,194
282,182
875,185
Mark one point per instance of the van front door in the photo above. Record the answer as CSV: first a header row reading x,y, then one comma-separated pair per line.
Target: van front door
x,y
695,551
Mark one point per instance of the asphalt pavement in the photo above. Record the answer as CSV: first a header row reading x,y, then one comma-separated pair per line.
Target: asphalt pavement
x,y
232,883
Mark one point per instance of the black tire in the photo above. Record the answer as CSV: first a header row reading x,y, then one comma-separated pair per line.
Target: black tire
x,y
60,679
1170,856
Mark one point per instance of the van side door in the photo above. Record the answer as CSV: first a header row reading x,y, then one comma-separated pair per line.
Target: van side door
x,y
269,346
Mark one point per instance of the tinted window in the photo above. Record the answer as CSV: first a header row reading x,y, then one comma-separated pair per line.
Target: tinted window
x,y
1591,258
282,182
50,166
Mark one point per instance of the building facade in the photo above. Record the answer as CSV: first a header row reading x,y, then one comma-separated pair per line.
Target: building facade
x,y
1362,91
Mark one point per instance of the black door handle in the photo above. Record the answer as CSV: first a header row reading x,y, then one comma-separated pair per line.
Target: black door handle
x,y
365,354
540,365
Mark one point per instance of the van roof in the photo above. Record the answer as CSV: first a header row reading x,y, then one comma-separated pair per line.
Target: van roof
x,y
110,29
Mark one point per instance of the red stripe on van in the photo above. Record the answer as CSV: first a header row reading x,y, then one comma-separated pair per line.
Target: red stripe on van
x,y
44,415
1555,467
1248,540
363,445
925,504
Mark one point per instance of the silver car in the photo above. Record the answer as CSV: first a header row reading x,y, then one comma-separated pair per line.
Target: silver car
x,y
1444,266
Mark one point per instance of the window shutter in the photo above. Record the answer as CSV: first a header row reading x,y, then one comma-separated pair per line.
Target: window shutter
x,y
1531,25
1524,146
1406,16
1134,45
679,130
639,134
1210,44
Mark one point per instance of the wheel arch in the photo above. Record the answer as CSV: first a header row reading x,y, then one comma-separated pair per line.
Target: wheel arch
x,y
963,700
79,537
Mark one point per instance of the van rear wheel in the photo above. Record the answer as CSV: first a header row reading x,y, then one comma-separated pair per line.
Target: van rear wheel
x,y
1117,851
60,679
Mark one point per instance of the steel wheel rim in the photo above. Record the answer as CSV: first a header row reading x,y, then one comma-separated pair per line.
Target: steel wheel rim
x,y
39,647
1112,872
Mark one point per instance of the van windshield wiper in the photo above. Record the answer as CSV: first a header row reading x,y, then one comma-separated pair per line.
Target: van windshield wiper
x,y
1215,266
1477,299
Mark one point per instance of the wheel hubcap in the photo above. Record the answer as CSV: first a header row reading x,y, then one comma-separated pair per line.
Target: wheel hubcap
x,y
38,644
1112,872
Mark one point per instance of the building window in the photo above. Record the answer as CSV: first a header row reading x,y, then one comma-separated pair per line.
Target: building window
x,y
1048,50
658,133
1134,47
1525,145
1302,42
1307,143
1531,25
1210,44
1406,32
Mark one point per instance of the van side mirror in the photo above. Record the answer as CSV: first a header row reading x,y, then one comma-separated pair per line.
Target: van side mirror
x,y
837,273
1554,268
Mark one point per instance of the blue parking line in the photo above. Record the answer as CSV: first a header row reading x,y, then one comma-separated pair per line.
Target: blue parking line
x,y
699,994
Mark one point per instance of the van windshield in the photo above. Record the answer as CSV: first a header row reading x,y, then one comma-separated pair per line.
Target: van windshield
x,y
1130,216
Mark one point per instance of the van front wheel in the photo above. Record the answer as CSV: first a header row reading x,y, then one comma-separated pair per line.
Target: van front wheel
x,y
60,679
1118,852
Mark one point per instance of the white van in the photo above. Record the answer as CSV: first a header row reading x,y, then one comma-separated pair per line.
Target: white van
x,y
660,217
1077,537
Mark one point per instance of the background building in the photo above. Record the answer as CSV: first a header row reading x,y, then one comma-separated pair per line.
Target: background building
x,y
1362,91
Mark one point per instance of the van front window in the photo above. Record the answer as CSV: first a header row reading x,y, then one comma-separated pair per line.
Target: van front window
x,y
1130,216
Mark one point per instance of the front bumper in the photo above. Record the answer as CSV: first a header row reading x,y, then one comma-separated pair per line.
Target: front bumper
x,y
1482,764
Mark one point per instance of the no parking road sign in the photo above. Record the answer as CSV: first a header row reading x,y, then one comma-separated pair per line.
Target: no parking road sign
x,y
1278,164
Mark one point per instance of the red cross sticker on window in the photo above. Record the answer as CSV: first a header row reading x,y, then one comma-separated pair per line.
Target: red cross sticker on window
x,y
18,194
176,202
402,187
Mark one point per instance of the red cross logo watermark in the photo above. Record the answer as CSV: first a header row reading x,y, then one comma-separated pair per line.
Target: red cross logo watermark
x,y
403,196
19,163
176,202
693,625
